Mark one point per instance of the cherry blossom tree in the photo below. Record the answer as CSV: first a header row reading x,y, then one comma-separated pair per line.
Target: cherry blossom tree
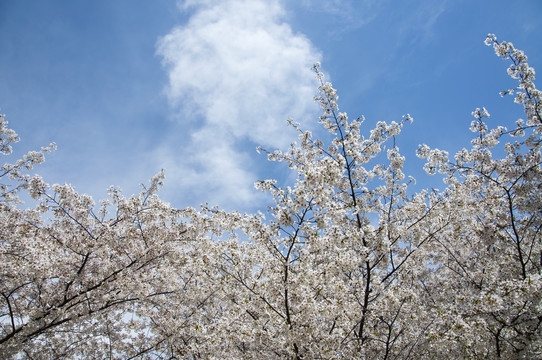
x,y
487,289
336,271
76,283
347,262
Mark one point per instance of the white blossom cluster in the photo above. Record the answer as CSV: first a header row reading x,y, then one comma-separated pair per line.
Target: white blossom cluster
x,y
345,264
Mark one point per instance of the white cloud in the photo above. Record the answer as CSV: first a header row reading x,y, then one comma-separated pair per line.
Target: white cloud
x,y
240,71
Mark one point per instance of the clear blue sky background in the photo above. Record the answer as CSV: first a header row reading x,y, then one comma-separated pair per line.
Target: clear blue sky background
x,y
128,87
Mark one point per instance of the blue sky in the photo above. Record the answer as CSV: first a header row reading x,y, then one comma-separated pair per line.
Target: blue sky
x,y
128,87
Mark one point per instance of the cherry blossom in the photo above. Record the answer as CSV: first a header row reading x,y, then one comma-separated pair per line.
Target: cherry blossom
x,y
347,261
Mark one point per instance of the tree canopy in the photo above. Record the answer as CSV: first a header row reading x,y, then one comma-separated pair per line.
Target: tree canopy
x,y
348,262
